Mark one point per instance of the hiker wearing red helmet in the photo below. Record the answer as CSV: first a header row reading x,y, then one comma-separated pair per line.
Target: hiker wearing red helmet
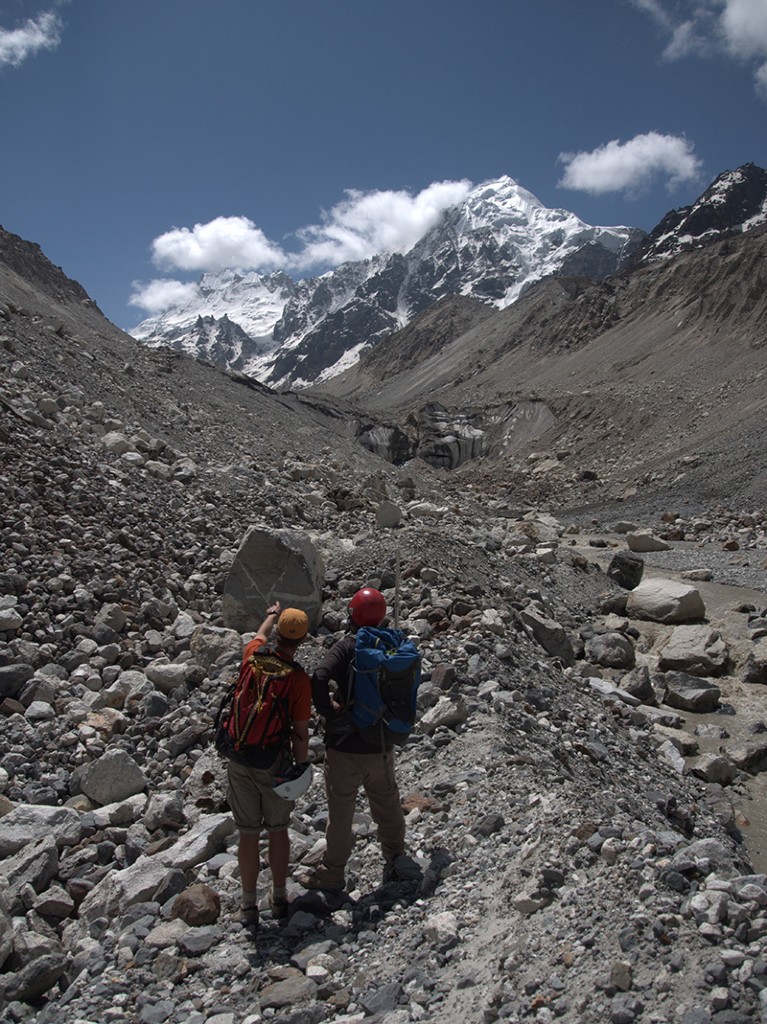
x,y
350,760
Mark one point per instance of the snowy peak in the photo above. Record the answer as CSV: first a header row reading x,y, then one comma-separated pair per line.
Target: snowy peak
x,y
221,302
493,245
502,239
735,202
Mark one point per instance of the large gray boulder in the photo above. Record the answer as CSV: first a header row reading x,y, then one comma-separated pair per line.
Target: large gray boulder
x,y
751,757
645,540
273,565
114,777
697,650
714,768
660,600
611,650
689,693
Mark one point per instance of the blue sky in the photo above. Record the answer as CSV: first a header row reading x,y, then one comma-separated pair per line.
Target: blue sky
x,y
146,141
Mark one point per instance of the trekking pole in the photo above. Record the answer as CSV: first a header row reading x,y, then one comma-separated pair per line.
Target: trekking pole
x,y
396,589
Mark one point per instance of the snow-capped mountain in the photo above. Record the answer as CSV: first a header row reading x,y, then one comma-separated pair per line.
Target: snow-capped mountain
x,y
498,241
735,202
229,320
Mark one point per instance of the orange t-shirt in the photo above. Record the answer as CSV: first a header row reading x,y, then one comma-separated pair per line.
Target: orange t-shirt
x,y
300,695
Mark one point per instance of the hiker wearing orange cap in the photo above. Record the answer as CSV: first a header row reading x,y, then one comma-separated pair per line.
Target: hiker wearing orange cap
x,y
267,727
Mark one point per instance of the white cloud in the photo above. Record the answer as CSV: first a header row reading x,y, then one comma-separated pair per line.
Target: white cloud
x,y
761,81
631,166
365,223
688,39
737,28
41,33
159,295
221,243
744,25
362,224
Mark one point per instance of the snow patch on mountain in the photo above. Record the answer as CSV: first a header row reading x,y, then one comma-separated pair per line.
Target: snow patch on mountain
x,y
491,246
736,201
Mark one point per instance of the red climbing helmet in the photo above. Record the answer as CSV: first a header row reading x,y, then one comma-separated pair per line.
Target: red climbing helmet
x,y
367,607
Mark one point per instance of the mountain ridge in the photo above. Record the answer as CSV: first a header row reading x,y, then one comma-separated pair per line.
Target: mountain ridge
x,y
491,246
572,367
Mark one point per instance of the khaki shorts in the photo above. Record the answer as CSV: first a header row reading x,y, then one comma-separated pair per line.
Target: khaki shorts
x,y
255,806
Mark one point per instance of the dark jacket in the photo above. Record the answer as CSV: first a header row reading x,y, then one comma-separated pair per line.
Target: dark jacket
x,y
340,733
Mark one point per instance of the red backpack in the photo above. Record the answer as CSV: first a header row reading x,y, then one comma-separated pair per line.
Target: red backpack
x,y
253,722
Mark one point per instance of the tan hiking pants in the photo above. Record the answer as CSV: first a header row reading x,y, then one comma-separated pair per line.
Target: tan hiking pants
x,y
344,773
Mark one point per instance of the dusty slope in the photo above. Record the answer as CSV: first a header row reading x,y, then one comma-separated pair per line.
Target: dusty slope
x,y
641,371
559,880
65,342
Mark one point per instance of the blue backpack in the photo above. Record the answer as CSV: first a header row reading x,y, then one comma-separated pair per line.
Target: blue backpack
x,y
383,685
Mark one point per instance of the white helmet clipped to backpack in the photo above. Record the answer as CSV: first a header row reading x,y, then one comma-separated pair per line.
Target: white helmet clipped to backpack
x,y
296,782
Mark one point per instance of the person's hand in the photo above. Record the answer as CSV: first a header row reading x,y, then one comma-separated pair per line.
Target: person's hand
x,y
273,609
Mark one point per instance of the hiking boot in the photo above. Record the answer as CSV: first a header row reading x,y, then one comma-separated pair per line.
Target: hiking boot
x,y
278,906
319,878
402,869
247,917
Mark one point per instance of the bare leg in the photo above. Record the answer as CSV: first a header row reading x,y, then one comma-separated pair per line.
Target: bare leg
x,y
279,857
249,860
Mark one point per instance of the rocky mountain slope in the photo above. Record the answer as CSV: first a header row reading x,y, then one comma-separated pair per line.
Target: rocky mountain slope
x,y
735,202
491,246
650,377
578,803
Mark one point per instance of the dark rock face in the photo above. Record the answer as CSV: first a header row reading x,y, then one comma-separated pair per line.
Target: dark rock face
x,y
447,438
28,261
450,260
222,342
735,201
365,318
626,568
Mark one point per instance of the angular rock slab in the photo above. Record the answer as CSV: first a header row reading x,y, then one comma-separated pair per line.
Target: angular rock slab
x,y
690,693
29,823
714,768
645,540
697,650
35,864
6,929
667,601
114,777
272,565
550,635
119,890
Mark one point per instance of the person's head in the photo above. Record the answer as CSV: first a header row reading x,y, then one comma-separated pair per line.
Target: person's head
x,y
292,627
367,607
